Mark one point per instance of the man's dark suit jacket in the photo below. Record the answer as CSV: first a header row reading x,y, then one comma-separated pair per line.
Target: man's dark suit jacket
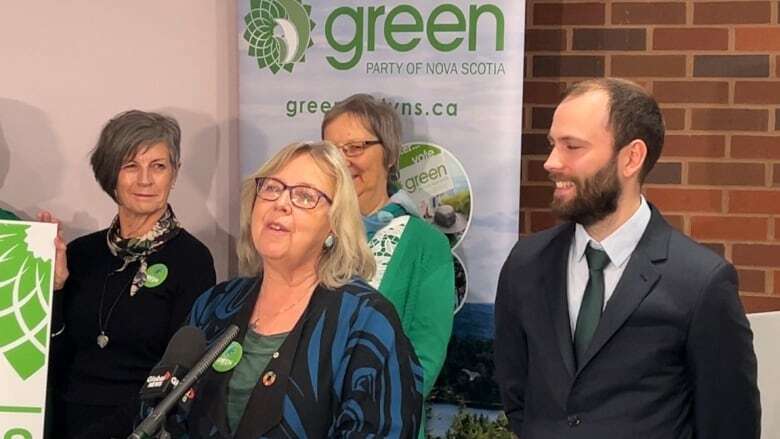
x,y
672,357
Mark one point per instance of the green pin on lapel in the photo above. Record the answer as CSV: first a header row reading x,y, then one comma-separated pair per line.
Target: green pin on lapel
x,y
229,357
156,275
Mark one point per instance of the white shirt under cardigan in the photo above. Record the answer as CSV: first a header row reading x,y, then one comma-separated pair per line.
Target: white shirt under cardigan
x,y
619,246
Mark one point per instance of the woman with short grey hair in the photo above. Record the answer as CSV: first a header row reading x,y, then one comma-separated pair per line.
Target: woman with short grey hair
x,y
129,286
124,135
379,118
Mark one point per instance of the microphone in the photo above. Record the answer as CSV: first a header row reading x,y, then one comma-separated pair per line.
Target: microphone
x,y
151,423
183,351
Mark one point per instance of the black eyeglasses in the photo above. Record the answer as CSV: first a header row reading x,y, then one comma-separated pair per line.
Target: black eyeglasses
x,y
304,197
354,149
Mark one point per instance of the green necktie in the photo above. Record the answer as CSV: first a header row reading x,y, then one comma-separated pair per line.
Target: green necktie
x,y
592,301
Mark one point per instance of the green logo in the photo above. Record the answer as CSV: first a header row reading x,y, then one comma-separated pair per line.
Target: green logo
x,y
265,20
229,358
25,293
155,275
403,27
279,31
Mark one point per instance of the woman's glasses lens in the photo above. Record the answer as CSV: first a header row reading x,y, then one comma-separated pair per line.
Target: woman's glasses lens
x,y
270,189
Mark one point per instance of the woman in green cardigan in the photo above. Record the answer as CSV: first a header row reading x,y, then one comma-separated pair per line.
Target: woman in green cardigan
x,y
414,263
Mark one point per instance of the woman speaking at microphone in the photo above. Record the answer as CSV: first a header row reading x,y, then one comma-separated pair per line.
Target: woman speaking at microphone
x,y
320,353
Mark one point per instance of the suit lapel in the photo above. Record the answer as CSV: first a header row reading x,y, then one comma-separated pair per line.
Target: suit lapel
x,y
554,281
637,281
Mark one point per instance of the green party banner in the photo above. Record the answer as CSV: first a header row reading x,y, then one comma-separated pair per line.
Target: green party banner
x,y
26,279
453,70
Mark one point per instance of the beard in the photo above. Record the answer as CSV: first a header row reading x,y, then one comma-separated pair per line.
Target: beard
x,y
595,197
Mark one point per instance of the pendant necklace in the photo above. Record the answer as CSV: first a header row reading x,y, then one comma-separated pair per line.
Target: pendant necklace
x,y
273,316
102,338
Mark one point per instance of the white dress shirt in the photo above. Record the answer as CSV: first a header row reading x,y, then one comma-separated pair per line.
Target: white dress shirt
x,y
619,246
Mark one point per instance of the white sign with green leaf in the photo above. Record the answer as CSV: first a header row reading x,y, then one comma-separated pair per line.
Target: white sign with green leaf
x,y
26,279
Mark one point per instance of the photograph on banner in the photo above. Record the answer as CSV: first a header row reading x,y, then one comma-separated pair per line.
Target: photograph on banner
x,y
461,282
26,283
453,71
438,183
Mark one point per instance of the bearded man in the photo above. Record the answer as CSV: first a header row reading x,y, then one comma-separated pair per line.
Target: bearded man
x,y
613,324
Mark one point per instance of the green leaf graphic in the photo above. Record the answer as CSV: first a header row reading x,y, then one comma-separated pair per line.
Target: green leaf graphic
x,y
25,294
266,20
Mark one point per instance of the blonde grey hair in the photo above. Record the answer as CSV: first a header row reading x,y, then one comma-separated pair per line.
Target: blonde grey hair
x,y
349,256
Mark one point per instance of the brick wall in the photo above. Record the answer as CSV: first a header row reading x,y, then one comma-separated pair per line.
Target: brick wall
x,y
714,67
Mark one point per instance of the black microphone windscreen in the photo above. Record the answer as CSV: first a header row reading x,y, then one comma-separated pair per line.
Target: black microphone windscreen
x,y
185,348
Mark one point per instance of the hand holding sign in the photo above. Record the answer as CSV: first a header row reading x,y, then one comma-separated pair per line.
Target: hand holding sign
x,y
60,247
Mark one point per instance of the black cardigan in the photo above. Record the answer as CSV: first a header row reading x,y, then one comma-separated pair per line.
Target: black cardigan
x,y
139,327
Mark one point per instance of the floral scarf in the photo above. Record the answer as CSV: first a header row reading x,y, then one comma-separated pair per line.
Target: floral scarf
x,y
139,249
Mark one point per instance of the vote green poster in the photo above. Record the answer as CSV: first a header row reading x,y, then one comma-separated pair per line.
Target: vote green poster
x,y
26,280
453,70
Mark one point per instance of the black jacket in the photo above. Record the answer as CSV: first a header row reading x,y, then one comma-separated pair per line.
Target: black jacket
x,y
672,357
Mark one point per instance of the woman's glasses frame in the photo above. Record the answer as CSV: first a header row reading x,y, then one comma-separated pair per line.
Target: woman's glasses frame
x,y
299,194
356,148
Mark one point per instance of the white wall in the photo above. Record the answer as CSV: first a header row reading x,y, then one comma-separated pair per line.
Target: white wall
x,y
765,327
66,67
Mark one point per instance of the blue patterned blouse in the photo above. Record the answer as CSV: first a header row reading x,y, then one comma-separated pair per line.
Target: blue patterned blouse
x,y
345,370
